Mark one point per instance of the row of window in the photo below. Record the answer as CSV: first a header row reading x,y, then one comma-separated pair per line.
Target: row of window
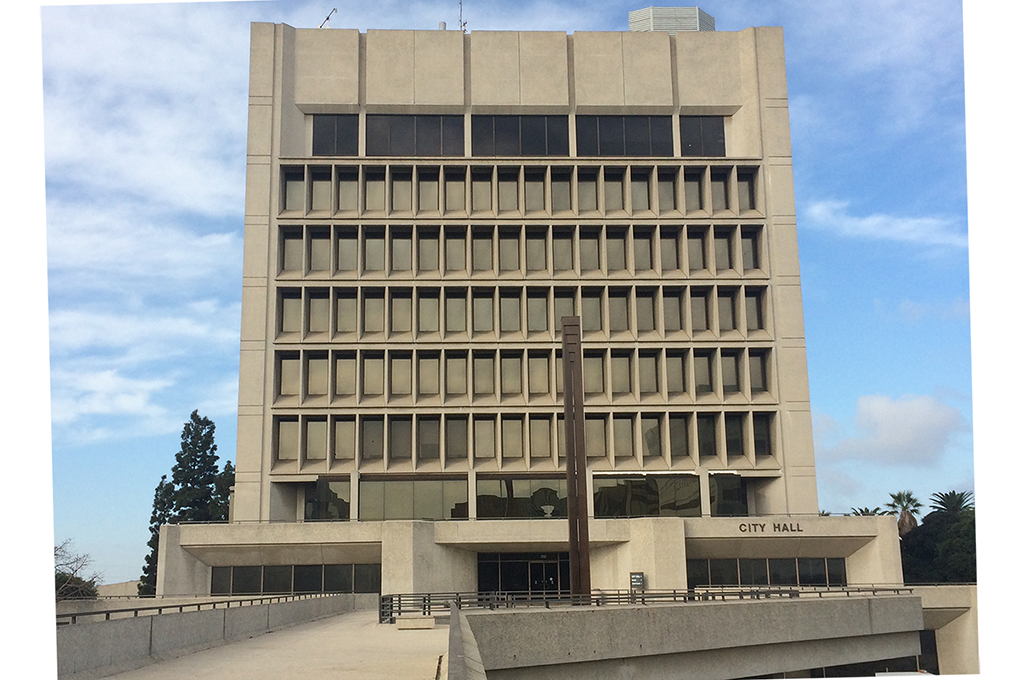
x,y
515,135
515,251
505,497
509,375
504,312
761,571
513,191
715,439
280,579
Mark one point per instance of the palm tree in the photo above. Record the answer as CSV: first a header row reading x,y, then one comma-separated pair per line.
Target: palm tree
x,y
867,512
907,506
952,502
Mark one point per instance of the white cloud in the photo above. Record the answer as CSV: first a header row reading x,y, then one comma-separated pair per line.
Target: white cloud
x,y
911,430
928,231
77,394
957,309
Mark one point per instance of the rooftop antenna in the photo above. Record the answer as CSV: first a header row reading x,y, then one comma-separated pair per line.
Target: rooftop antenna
x,y
463,24
325,22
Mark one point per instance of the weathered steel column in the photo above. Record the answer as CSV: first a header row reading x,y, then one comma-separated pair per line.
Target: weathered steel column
x,y
577,478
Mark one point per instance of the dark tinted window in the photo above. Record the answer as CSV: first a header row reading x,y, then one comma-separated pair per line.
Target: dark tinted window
x,y
519,136
335,135
394,135
338,578
702,136
624,135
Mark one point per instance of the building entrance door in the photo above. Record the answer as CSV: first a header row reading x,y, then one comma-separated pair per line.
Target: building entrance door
x,y
544,577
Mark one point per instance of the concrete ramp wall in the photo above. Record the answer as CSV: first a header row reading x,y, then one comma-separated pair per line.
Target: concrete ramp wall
x,y
699,641
102,648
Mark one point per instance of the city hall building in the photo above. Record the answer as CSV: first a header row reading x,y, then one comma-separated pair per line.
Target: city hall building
x,y
422,210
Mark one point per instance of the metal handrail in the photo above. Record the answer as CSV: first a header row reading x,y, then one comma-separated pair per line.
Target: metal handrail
x,y
64,619
426,604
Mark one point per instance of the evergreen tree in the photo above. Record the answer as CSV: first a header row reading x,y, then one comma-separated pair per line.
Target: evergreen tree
x,y
196,471
162,513
221,494
943,548
197,491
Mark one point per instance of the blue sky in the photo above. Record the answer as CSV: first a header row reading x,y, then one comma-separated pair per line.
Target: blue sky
x,y
144,123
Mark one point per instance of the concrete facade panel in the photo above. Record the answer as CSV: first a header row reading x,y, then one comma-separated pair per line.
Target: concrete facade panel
x,y
789,317
389,67
776,129
495,68
710,68
543,69
647,69
598,70
243,622
260,74
784,251
257,190
439,67
326,66
120,644
260,129
779,180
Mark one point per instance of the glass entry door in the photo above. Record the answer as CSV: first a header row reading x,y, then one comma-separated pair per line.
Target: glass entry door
x,y
544,577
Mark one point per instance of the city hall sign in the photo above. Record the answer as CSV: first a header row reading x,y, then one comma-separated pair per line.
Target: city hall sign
x,y
770,528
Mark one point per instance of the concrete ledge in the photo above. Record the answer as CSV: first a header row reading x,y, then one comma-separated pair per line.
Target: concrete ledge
x,y
101,648
416,622
697,640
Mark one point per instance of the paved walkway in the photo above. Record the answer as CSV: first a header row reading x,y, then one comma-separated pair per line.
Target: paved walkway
x,y
351,646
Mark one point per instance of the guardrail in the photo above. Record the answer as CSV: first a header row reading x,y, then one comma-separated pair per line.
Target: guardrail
x,y
427,604
180,607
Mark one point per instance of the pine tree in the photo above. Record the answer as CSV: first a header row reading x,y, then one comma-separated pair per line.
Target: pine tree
x,y
196,470
221,494
197,491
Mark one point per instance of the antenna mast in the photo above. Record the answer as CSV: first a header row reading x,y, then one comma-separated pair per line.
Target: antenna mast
x,y
325,22
463,23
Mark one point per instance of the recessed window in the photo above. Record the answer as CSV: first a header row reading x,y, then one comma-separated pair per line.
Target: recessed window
x,y
560,186
614,189
758,364
372,438
510,374
702,136
620,365
651,436
675,374
481,249
507,188
428,438
347,250
287,438
534,247
699,310
375,189
346,311
481,189
345,381
484,374
345,439
619,312
749,248
455,192
519,136
317,374
693,190
428,311
616,250
624,135
645,303
509,250
672,304
456,374
373,368
589,243
291,251
720,190
538,313
456,438
289,372
746,189
563,305
400,251
374,251
640,187
290,311
428,190
318,250
707,446
623,436
754,304
591,311
428,251
703,379
373,313
541,437
512,444
727,300
456,250
538,373
410,135
481,313
696,245
648,372
734,435
321,196
534,189
456,312
347,189
642,250
667,190
335,135
730,364
485,438
678,445
762,424
595,436
400,375
587,190
510,313
591,367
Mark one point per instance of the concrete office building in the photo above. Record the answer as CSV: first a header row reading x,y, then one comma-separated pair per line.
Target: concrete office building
x,y
422,209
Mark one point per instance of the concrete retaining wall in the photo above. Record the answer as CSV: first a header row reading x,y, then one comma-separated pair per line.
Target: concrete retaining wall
x,y
702,641
102,648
